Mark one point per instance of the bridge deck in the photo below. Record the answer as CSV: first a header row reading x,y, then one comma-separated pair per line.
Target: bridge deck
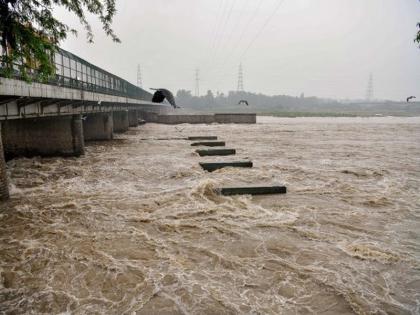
x,y
78,86
20,99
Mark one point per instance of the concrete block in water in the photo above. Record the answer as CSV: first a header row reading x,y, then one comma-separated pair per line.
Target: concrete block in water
x,y
4,183
259,190
209,143
133,118
212,152
214,166
202,138
120,121
98,126
43,136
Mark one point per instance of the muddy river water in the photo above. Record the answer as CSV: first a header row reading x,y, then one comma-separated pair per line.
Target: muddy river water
x,y
134,226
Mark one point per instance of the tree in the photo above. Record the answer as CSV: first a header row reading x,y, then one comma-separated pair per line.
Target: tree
x,y
209,98
183,94
29,32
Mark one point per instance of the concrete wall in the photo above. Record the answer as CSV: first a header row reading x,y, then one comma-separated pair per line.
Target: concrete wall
x,y
98,126
44,136
235,118
186,119
4,183
205,119
133,119
120,119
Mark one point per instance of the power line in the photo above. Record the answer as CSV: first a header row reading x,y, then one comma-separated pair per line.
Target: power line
x,y
260,31
252,18
222,9
227,19
216,48
218,28
262,28
235,25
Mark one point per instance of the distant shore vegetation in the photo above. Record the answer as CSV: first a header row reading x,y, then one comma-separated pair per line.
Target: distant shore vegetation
x,y
292,106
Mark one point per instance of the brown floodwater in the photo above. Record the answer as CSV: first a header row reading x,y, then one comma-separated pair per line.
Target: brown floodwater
x,y
134,226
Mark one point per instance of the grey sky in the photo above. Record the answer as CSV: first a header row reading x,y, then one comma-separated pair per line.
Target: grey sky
x,y
325,48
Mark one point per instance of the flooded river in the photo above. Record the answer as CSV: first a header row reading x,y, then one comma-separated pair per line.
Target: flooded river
x,y
134,226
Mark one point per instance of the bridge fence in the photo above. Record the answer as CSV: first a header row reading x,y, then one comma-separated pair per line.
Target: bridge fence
x,y
74,72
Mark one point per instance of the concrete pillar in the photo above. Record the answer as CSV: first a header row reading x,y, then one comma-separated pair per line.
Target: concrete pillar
x,y
43,136
148,116
141,114
98,126
133,118
120,119
4,183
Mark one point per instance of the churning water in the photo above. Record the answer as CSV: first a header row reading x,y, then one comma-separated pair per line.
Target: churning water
x,y
134,227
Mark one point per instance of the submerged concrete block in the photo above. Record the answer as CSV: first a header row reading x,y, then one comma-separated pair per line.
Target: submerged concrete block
x,y
217,165
43,136
259,190
4,183
120,121
213,152
209,143
98,126
202,138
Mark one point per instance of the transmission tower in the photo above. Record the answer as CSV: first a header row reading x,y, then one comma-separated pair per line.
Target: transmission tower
x,y
240,79
197,82
139,80
369,90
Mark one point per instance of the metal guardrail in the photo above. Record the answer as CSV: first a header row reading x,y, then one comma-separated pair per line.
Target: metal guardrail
x,y
75,72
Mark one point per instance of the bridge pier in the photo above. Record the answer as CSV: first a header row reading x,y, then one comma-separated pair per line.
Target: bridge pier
x,y
98,126
133,118
4,183
120,120
43,136
148,116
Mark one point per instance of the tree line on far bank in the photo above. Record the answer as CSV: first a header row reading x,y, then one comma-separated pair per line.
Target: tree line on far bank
x,y
255,100
282,104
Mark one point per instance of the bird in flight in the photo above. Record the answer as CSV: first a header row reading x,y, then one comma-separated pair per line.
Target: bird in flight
x,y
243,102
160,96
410,98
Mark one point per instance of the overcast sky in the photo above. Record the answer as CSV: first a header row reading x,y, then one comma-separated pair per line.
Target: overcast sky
x,y
323,48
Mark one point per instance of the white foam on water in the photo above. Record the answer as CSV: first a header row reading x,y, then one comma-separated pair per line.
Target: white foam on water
x,y
137,227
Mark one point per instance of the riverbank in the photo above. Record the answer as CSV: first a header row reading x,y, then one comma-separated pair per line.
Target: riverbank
x,y
341,114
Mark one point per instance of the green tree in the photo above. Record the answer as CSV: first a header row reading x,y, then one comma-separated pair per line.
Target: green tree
x,y
29,32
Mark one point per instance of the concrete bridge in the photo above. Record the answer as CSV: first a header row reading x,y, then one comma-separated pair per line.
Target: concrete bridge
x,y
80,103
